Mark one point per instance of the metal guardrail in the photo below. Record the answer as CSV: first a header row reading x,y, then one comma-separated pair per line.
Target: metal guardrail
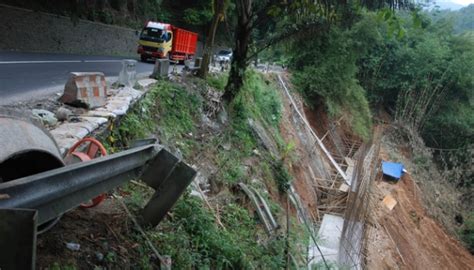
x,y
263,211
37,199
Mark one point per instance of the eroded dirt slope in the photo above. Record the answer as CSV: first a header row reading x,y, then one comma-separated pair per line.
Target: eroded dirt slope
x,y
406,237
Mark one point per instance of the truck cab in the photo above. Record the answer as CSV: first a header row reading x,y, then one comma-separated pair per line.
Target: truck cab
x,y
155,41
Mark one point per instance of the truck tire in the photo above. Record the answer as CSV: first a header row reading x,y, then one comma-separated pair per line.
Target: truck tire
x,y
143,58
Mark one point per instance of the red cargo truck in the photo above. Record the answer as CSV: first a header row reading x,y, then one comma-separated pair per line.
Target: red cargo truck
x,y
161,40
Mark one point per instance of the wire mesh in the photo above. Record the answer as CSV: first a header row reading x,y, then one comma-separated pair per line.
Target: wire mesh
x,y
358,210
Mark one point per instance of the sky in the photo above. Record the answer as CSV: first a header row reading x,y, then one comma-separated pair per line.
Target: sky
x,y
448,4
461,2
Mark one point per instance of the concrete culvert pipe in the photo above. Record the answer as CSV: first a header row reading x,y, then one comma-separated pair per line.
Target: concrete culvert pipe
x,y
26,149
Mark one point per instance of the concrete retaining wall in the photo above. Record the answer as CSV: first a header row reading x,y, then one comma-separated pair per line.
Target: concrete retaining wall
x,y
26,30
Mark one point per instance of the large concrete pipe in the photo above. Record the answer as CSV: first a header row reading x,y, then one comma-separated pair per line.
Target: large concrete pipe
x,y
25,148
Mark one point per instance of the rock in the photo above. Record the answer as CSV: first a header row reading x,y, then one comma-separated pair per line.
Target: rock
x,y
73,246
99,256
206,122
105,245
264,138
146,82
62,114
196,194
226,146
46,117
222,116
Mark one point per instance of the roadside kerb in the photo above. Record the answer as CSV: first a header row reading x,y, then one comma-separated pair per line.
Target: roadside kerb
x,y
97,120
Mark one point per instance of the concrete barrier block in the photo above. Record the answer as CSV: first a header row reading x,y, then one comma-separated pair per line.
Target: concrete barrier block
x,y
85,89
161,69
128,75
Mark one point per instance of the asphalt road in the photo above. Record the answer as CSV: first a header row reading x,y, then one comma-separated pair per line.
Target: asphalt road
x,y
29,76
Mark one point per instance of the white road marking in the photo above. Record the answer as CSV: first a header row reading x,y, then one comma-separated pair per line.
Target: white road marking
x,y
58,61
102,61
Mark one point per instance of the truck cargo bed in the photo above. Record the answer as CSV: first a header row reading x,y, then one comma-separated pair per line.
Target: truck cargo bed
x,y
184,42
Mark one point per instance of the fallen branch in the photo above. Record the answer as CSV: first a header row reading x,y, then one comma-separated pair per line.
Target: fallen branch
x,y
209,206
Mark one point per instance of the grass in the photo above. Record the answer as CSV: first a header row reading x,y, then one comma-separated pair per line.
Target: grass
x,y
178,110
168,109
258,100
281,175
467,233
192,238
231,171
262,99
218,81
57,266
190,234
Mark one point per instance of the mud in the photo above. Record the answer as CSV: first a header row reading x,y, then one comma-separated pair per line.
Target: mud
x,y
406,237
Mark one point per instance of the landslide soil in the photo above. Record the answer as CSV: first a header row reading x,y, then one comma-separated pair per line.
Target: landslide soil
x,y
406,237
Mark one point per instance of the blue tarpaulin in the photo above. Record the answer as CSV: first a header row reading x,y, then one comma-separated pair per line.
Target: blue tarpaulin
x,y
392,169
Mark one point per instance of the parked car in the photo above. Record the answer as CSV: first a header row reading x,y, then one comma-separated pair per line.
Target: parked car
x,y
223,56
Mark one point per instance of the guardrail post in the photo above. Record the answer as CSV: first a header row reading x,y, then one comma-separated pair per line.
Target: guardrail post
x,y
18,243
167,193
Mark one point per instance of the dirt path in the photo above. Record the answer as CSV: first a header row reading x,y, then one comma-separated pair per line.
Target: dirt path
x,y
406,238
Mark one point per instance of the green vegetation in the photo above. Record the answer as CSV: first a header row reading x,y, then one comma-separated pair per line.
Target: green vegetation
x,y
168,109
462,20
417,69
193,238
191,234
426,78
197,13
258,100
57,266
282,177
326,72
467,234
217,81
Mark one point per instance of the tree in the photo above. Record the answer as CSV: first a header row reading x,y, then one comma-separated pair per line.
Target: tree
x,y
242,40
219,7
295,17
251,16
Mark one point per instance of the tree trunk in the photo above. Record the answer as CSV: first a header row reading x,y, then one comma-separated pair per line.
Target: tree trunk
x,y
242,41
208,46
